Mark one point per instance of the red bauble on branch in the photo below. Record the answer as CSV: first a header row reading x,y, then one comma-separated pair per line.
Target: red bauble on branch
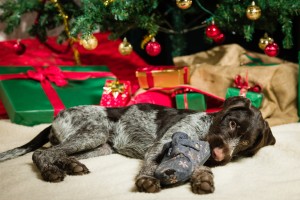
x,y
219,39
272,49
153,48
19,48
212,30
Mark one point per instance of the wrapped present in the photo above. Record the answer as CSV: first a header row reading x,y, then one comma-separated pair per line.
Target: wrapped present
x,y
116,93
255,98
191,100
35,95
242,88
149,77
167,97
153,97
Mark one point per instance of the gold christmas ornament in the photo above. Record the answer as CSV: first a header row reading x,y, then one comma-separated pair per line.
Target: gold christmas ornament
x,y
264,41
107,2
125,47
89,43
184,4
253,12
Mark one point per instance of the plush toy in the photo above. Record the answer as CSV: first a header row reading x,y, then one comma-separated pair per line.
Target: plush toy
x,y
180,157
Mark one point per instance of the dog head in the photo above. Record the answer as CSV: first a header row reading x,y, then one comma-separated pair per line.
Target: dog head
x,y
239,130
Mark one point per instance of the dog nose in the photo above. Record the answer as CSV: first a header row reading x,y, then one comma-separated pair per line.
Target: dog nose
x,y
218,154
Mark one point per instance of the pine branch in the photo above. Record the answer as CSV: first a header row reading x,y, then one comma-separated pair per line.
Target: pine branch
x,y
152,16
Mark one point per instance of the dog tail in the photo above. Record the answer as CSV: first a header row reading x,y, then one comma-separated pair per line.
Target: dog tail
x,y
37,142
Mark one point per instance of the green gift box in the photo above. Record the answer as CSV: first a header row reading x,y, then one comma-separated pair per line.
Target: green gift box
x,y
26,101
255,98
191,100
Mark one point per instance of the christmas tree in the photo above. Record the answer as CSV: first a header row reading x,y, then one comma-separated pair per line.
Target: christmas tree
x,y
141,21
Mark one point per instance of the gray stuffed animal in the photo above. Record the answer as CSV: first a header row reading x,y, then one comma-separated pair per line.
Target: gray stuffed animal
x,y
181,155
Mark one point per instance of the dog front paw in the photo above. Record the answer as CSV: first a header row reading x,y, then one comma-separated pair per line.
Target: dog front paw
x,y
72,166
202,181
148,184
53,174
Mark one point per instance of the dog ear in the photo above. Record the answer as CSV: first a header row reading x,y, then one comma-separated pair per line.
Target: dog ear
x,y
269,139
236,102
264,138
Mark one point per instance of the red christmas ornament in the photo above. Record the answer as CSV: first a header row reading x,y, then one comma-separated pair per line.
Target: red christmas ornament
x,y
272,49
212,31
257,88
19,48
153,48
219,39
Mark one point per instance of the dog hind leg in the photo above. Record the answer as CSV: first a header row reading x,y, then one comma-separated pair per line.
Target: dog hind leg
x,y
54,163
102,150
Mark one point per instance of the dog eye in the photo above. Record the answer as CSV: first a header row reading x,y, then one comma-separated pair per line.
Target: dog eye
x,y
232,124
245,142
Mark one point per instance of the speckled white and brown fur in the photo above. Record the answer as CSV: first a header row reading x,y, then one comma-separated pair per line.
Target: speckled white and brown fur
x,y
140,131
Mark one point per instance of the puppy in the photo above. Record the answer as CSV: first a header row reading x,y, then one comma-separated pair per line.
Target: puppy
x,y
140,131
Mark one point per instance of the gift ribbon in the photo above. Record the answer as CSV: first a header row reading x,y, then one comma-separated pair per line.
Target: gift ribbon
x,y
150,79
185,100
54,74
149,73
243,85
116,93
257,62
115,88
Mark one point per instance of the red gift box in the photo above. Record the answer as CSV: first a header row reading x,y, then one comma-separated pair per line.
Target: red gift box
x,y
116,93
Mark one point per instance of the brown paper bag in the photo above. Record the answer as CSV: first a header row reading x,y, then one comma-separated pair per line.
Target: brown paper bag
x,y
214,71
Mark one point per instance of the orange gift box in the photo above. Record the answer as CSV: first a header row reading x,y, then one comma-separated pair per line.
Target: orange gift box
x,y
149,77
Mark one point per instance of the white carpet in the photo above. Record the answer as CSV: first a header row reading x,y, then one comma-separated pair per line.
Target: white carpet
x,y
273,173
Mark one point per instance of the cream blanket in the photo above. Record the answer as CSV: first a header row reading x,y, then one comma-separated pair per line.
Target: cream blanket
x,y
273,173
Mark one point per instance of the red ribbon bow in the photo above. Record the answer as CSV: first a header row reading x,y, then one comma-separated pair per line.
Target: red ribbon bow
x,y
55,75
52,73
243,84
